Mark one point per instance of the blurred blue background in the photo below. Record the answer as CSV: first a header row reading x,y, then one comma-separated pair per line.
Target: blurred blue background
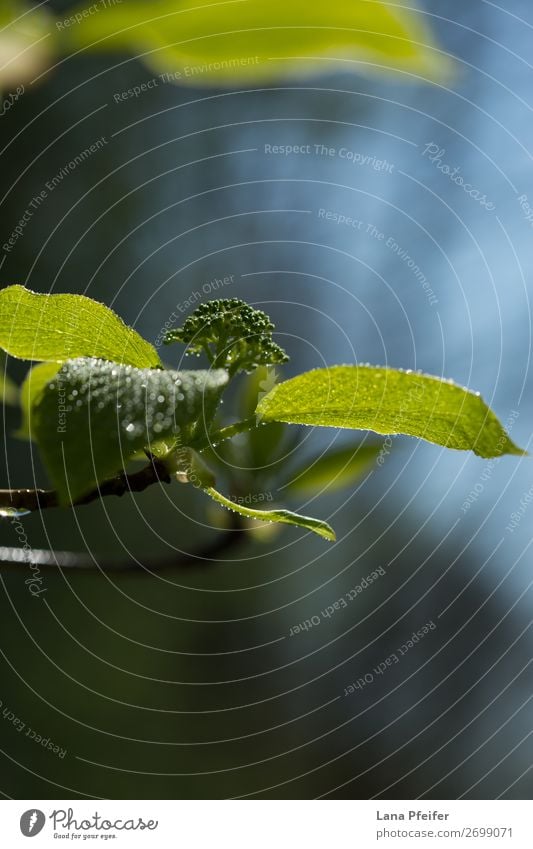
x,y
187,684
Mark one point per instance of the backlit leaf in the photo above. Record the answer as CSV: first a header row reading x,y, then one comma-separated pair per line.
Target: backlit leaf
x,y
388,401
57,328
285,517
254,41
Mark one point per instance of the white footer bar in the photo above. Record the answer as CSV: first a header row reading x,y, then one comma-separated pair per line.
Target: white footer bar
x,y
269,824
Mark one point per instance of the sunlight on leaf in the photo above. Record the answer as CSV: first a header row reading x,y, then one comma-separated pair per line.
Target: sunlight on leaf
x,y
57,328
388,401
260,41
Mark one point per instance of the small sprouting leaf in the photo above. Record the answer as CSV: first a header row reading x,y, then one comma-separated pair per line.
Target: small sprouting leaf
x,y
94,416
9,391
256,41
388,401
30,392
285,517
57,328
334,470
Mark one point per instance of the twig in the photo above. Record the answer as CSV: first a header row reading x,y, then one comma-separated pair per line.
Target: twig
x,y
225,433
30,500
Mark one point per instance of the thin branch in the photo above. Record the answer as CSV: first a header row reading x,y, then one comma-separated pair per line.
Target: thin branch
x,y
225,433
30,500
21,501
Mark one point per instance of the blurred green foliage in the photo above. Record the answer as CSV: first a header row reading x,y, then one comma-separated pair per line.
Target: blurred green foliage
x,y
240,42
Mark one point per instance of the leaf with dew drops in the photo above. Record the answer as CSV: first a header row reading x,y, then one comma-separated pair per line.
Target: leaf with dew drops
x,y
57,328
389,401
285,517
94,416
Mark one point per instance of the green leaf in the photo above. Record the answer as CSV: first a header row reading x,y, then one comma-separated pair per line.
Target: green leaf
x,y
94,416
30,393
334,470
256,41
285,517
57,328
9,391
388,401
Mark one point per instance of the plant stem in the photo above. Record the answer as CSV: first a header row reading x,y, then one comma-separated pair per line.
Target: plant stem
x,y
225,433
30,500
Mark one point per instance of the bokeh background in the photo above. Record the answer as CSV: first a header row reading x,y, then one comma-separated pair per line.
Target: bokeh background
x,y
186,683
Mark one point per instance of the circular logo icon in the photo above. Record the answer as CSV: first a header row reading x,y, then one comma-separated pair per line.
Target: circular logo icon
x,y
32,822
